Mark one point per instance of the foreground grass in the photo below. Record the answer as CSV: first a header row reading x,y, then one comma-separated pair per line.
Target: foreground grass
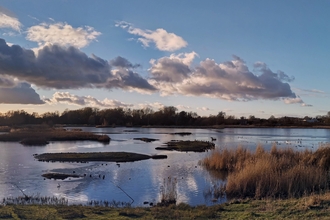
x,y
310,207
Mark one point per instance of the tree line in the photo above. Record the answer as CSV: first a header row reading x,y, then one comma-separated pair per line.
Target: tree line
x,y
166,116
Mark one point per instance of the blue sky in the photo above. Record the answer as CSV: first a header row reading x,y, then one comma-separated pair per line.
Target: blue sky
x,y
245,58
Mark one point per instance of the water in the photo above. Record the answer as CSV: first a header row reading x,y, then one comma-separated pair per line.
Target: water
x,y
141,180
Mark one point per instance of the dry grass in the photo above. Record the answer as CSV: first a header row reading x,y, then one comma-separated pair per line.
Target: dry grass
x,y
278,173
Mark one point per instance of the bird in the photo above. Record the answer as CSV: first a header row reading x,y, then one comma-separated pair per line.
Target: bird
x,y
213,139
58,186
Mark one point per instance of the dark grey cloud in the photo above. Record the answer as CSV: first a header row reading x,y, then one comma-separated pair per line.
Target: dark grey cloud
x,y
65,68
21,93
123,63
6,82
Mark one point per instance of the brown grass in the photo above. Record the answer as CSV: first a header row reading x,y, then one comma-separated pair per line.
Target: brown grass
x,y
279,173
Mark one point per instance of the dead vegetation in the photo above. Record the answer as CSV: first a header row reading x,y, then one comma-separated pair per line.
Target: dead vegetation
x,y
278,173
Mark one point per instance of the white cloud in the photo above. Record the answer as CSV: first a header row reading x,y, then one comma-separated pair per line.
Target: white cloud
x,y
296,100
183,107
203,108
154,105
8,20
162,39
67,98
62,34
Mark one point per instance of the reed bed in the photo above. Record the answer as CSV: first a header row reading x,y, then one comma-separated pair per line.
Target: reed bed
x,y
278,173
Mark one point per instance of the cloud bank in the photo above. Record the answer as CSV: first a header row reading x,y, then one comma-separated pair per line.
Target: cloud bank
x,y
231,80
67,68
162,39
67,98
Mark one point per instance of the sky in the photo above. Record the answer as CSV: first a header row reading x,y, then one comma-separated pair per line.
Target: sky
x,y
251,57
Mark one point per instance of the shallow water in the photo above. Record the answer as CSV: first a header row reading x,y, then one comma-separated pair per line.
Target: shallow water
x,y
141,180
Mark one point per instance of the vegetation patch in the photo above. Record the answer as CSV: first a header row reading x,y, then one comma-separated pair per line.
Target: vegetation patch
x,y
4,128
33,136
146,139
195,146
279,173
96,156
182,133
35,141
60,176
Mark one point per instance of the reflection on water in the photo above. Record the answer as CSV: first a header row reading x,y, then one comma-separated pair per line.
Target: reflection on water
x,y
141,180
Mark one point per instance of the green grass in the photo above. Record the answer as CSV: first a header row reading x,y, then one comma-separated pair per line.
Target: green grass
x,y
308,207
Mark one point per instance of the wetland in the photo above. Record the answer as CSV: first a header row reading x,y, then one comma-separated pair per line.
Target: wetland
x,y
142,180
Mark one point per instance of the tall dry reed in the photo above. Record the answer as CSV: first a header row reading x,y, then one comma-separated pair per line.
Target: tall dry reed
x,y
278,173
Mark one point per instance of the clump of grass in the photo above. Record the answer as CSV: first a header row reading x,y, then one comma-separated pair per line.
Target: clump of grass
x,y
278,173
168,192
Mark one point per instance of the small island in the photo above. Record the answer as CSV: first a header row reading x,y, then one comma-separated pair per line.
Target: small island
x,y
59,176
147,140
38,136
195,146
96,156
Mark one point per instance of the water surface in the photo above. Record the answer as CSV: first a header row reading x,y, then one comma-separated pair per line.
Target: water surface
x,y
141,180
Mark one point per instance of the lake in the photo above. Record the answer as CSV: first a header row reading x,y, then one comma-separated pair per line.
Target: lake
x,y
141,180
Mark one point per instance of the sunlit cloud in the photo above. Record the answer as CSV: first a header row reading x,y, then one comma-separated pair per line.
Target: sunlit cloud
x,y
162,39
296,100
154,105
183,107
8,20
62,34
71,99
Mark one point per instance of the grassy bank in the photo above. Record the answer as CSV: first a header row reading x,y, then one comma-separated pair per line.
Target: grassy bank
x,y
309,207
279,173
35,136
96,156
